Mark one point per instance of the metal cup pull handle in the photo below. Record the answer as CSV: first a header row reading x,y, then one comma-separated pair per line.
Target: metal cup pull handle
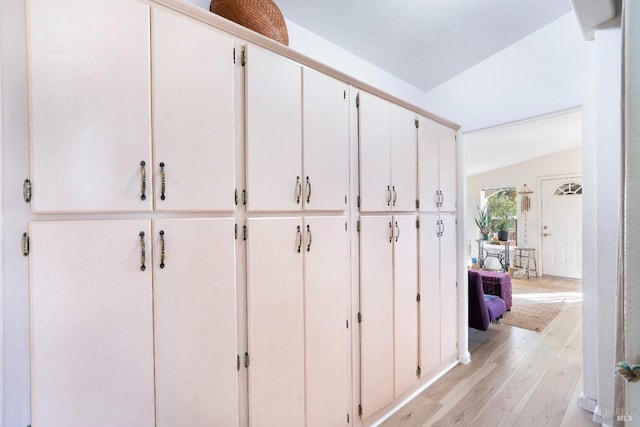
x,y
298,189
161,248
142,252
143,181
163,182
308,238
308,190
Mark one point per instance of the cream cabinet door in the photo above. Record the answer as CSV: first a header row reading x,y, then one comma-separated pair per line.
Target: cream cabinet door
x,y
274,132
90,122
403,140
430,294
448,287
193,115
428,165
275,318
375,164
405,311
326,308
91,323
448,168
376,309
195,322
326,142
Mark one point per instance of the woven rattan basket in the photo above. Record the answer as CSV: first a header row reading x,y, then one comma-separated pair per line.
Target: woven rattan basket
x,y
261,16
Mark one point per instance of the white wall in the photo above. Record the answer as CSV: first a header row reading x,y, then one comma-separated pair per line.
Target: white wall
x,y
561,163
545,72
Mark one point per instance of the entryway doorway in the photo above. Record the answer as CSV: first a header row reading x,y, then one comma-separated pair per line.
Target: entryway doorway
x,y
561,226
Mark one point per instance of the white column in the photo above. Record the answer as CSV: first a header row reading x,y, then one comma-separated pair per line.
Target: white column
x,y
463,255
632,201
607,189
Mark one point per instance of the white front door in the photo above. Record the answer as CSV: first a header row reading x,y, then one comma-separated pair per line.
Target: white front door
x,y
561,227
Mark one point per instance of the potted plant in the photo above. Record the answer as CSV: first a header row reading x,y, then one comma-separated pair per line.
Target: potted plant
x,y
483,222
503,233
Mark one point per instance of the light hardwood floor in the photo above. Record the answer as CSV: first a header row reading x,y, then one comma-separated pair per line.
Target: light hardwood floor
x,y
516,377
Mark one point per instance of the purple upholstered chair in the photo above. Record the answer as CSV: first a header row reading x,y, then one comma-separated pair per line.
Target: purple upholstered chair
x,y
483,309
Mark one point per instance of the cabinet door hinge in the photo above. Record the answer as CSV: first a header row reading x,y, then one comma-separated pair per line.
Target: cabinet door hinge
x,y
358,201
245,233
360,410
26,190
234,55
358,226
25,244
344,94
347,418
456,284
418,298
417,123
244,197
347,323
235,196
345,226
243,57
359,317
418,371
418,223
246,360
417,204
238,363
235,231
357,100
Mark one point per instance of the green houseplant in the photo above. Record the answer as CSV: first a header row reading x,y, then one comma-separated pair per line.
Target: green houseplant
x,y
483,221
503,233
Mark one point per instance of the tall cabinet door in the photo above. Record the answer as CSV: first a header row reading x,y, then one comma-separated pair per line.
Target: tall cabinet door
x,y
404,175
91,324
428,174
274,132
375,165
193,104
448,287
405,290
90,105
327,339
376,308
275,321
326,141
448,167
430,307
195,322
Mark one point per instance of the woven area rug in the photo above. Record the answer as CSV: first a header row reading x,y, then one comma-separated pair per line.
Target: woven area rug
x,y
537,302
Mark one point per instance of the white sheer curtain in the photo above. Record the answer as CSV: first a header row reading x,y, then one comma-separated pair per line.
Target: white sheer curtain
x,y
627,395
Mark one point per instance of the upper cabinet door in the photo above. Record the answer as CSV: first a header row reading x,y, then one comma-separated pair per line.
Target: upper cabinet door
x,y
375,165
403,139
91,324
447,148
274,132
428,165
90,105
193,119
326,142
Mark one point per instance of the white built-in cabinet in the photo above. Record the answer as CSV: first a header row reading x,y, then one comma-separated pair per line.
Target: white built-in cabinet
x,y
297,303
437,166
388,151
438,291
136,316
286,166
115,303
91,109
388,309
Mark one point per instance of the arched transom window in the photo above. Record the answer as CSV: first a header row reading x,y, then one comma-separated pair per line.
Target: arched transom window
x,y
568,189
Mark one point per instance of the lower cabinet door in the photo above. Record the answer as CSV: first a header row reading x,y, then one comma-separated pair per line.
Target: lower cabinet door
x,y
429,267
448,288
91,323
275,322
326,308
376,308
195,322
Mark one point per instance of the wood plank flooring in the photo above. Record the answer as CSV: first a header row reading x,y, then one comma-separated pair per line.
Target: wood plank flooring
x,y
516,377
